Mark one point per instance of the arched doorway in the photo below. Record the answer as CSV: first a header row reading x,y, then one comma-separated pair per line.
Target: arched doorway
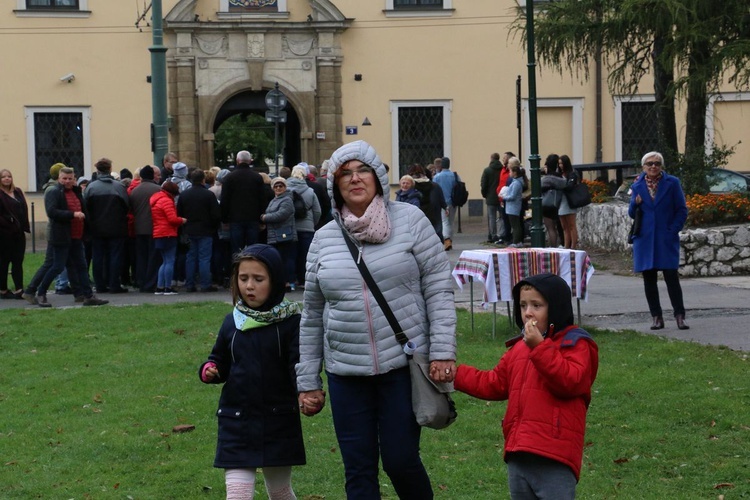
x,y
252,102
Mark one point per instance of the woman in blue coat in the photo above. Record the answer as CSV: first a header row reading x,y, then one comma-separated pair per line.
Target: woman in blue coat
x,y
656,248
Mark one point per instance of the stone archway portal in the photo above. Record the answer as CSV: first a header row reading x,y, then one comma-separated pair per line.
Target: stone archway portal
x,y
226,67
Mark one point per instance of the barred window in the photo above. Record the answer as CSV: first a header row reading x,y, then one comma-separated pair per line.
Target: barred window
x,y
639,130
56,137
53,4
417,4
420,135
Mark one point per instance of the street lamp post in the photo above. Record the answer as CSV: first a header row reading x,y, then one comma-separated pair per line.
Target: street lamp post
x,y
159,129
276,102
537,229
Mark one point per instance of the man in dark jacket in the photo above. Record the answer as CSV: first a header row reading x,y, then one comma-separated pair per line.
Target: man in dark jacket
x,y
201,209
488,185
64,206
147,258
167,170
107,205
243,200
321,193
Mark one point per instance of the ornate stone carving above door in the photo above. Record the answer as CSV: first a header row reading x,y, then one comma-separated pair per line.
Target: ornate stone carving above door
x,y
256,46
299,45
212,45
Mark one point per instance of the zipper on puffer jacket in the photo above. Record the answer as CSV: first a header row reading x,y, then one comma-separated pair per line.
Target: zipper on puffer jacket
x,y
370,329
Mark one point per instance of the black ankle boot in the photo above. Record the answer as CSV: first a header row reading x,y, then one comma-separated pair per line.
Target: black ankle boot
x,y
680,318
658,323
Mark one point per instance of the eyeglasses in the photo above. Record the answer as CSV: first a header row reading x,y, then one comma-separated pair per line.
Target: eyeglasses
x,y
652,164
279,186
360,171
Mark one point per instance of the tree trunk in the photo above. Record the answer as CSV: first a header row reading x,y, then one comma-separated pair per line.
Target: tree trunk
x,y
697,100
665,112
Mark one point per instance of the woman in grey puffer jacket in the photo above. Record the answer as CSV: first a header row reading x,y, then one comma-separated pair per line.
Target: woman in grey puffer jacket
x,y
343,325
282,233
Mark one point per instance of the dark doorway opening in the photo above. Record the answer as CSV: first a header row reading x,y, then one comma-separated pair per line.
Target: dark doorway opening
x,y
246,128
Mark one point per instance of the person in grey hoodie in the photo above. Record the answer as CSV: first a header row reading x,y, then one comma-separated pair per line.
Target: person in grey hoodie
x,y
344,327
305,225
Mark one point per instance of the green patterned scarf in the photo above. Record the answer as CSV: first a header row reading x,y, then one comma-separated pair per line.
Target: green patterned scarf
x,y
247,319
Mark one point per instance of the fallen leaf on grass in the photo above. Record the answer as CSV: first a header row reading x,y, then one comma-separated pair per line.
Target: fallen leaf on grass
x,y
183,428
98,398
621,460
179,331
723,485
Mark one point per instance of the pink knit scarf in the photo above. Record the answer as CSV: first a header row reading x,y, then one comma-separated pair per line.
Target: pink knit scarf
x,y
373,227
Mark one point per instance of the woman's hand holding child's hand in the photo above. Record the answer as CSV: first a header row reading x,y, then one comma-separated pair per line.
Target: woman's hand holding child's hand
x,y
311,402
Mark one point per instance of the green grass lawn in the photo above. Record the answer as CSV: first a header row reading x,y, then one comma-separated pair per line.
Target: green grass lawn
x,y
89,398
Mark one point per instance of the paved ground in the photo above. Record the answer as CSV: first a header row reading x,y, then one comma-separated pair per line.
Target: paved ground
x,y
718,309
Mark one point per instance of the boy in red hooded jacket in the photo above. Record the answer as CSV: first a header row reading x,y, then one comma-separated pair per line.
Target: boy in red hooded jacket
x,y
546,376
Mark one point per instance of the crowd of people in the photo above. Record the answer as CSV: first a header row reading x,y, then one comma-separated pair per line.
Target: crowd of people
x,y
506,189
161,230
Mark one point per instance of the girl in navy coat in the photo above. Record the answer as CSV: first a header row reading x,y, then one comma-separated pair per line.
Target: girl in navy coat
x,y
254,357
661,201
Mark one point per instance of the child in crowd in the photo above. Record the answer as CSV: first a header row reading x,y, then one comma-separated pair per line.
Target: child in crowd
x,y
254,357
512,195
408,193
547,381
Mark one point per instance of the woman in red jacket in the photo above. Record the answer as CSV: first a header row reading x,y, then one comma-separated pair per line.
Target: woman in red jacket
x,y
547,381
166,222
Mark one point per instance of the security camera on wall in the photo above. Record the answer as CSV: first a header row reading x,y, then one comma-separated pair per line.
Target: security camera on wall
x,y
68,78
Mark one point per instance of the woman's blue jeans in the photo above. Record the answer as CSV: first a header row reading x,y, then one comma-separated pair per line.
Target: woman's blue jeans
x,y
373,419
168,249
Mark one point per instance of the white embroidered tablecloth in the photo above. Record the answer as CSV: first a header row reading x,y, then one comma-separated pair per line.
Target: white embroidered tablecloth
x,y
501,268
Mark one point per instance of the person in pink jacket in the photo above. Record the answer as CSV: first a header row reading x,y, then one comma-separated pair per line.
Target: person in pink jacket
x,y
546,376
166,223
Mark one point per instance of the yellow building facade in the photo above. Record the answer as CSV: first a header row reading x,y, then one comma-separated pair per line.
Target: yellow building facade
x,y
416,78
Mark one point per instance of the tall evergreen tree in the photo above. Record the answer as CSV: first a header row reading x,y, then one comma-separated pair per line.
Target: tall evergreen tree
x,y
689,46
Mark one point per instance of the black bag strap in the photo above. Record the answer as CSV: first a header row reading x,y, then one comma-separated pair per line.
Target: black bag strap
x,y
400,336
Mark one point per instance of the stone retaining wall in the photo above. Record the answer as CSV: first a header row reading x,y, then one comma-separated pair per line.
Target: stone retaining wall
x,y
715,251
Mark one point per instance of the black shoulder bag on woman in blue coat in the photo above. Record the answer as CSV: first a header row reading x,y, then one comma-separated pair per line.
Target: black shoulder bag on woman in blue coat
x,y
431,401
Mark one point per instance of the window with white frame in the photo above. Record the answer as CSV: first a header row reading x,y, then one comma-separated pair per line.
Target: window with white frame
x,y
399,8
52,8
56,135
421,131
575,104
